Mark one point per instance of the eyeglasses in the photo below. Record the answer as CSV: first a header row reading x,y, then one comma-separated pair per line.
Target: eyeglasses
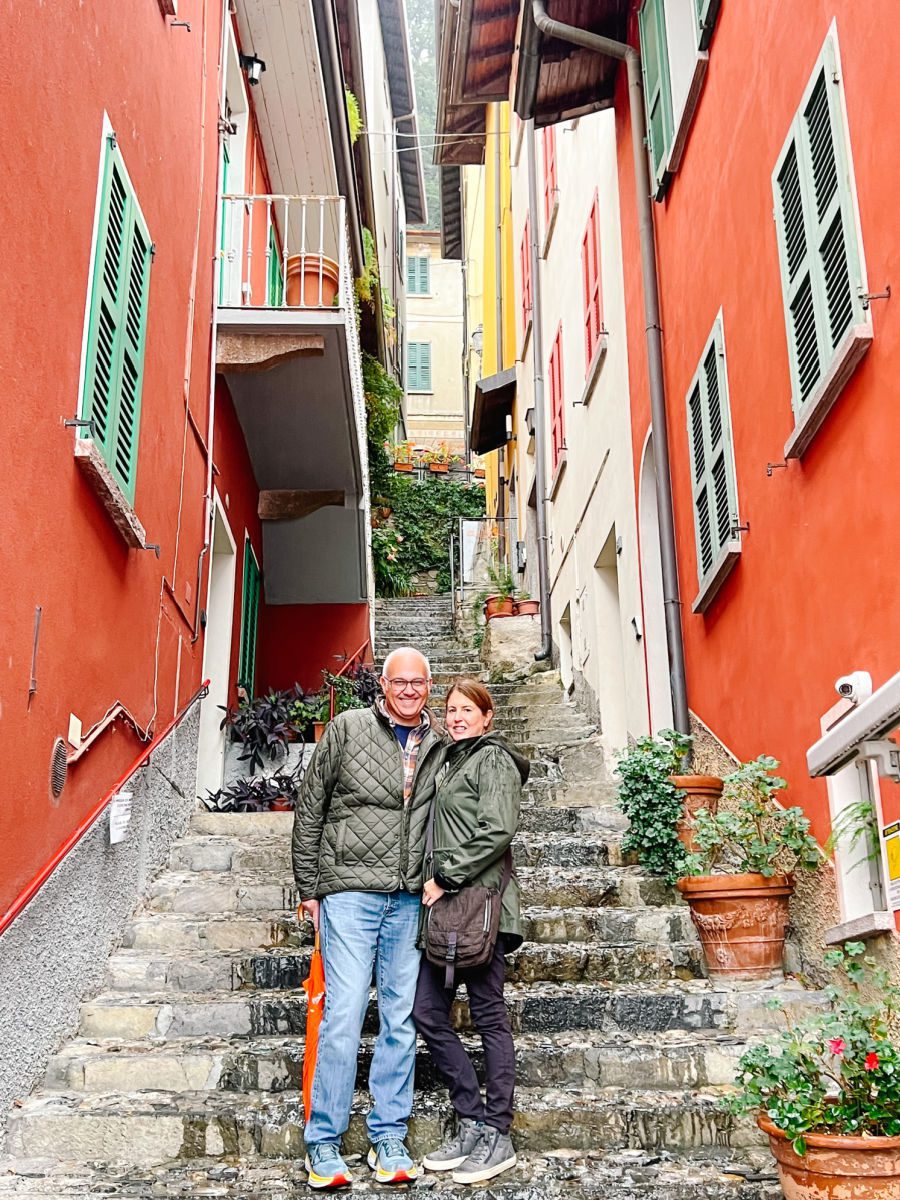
x,y
417,685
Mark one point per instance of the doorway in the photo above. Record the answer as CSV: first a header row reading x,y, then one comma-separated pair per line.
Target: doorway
x,y
656,649
216,652
611,653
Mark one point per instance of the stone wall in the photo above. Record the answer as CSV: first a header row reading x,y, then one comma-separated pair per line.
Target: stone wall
x,y
55,952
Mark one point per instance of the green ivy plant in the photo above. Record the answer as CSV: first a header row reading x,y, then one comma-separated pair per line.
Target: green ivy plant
x,y
751,833
354,119
836,1071
652,803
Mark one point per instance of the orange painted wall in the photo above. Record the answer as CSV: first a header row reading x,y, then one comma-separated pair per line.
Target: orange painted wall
x,y
298,640
813,594
104,627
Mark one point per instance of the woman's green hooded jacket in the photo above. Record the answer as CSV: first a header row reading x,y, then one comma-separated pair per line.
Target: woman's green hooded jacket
x,y
476,815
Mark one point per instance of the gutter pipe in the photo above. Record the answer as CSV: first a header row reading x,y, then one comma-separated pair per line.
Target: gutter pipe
x,y
498,317
540,425
622,52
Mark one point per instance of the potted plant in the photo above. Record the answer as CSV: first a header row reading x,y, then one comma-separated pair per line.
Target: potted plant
x,y
305,272
262,726
826,1090
653,803
403,457
500,602
256,793
739,880
478,470
438,459
524,606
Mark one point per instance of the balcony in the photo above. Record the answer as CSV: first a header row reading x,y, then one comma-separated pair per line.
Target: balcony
x,y
288,349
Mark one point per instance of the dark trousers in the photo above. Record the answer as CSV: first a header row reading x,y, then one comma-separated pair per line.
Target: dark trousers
x,y
431,1013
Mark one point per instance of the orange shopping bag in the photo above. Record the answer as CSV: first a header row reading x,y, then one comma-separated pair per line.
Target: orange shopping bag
x,y
315,1007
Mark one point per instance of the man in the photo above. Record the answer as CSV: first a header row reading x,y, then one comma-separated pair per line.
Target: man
x,y
358,849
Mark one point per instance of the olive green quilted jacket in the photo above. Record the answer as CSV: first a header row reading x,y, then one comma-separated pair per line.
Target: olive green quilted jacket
x,y
352,832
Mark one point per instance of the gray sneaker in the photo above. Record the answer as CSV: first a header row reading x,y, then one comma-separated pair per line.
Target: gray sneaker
x,y
454,1153
493,1153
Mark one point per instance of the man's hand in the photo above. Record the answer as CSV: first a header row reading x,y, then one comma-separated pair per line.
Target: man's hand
x,y
431,893
311,908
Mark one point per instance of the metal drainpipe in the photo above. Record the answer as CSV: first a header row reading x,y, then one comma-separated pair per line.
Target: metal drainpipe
x,y
540,430
498,310
671,595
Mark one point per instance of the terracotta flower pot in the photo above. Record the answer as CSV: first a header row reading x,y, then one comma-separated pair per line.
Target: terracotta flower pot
x,y
318,730
403,466
527,608
741,921
859,1168
496,606
280,804
700,791
437,468
303,280
479,472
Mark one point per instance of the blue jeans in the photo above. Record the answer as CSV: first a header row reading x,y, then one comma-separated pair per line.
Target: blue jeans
x,y
359,931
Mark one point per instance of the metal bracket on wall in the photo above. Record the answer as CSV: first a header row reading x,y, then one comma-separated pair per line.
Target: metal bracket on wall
x,y
736,529
866,298
154,546
81,423
776,466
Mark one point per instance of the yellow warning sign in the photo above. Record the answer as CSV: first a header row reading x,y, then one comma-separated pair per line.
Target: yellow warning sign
x,y
891,841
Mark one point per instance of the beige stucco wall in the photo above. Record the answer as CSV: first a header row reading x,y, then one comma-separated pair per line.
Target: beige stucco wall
x,y
437,416
593,504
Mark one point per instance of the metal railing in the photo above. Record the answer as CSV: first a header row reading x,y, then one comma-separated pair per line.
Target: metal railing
x,y
282,251
357,659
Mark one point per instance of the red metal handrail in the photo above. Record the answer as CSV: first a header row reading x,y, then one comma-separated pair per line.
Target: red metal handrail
x,y
358,657
31,889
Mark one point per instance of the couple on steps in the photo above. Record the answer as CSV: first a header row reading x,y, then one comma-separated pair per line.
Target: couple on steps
x,y
376,782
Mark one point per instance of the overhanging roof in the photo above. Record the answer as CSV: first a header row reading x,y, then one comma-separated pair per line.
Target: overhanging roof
x,y
451,212
494,398
395,35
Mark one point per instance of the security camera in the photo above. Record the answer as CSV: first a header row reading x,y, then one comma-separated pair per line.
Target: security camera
x,y
856,687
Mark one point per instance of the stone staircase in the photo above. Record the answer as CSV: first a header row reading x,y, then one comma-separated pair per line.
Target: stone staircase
x,y
184,1076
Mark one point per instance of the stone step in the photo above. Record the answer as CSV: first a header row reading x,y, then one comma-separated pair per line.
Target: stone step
x,y
557,1175
587,1061
146,1128
534,1008
263,891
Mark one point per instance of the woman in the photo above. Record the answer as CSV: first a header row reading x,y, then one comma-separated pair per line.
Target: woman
x,y
476,813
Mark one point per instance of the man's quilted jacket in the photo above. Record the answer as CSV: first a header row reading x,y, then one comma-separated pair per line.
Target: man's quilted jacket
x,y
352,832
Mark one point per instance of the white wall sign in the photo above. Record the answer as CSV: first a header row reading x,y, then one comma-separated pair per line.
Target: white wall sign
x,y
890,843
119,817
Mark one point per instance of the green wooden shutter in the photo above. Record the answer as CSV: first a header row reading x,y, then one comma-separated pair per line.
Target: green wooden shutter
x,y
425,274
418,367
412,274
412,366
707,11
657,87
117,324
249,619
712,459
816,229
425,366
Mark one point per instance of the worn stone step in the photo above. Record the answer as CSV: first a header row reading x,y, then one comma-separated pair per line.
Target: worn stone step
x,y
557,1175
533,1008
587,1061
158,1127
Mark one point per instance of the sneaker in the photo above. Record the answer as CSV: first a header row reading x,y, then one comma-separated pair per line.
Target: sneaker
x,y
493,1153
454,1153
325,1167
391,1162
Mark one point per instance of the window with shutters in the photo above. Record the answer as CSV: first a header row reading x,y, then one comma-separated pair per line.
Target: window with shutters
x,y
557,411
418,275
713,484
418,367
117,324
592,294
828,330
551,187
249,620
525,268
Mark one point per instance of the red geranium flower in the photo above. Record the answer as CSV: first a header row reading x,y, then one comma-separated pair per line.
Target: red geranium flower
x,y
871,1063
837,1045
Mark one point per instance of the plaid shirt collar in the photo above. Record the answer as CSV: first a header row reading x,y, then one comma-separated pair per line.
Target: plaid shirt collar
x,y
410,751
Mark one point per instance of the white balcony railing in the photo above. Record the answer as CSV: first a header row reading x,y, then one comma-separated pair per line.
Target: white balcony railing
x,y
283,252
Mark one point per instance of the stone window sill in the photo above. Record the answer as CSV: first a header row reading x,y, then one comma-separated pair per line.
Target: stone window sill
x,y
558,473
721,569
594,369
869,925
94,468
853,347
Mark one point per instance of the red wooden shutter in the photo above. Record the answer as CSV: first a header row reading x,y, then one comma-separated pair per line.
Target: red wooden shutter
x,y
557,424
590,276
549,138
525,263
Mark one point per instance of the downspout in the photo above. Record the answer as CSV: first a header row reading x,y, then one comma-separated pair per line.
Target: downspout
x,y
498,317
464,278
671,595
540,427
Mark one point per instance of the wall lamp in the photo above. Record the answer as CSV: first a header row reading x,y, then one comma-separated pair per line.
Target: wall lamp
x,y
253,66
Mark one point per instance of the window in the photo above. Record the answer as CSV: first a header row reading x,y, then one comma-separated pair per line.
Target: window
x,y
117,323
674,34
819,252
275,282
712,470
418,367
557,421
592,294
525,265
550,188
249,619
418,275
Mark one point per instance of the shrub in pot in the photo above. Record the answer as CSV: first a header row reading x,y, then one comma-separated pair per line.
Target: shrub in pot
x,y
262,726
656,801
739,878
256,793
525,606
500,603
826,1090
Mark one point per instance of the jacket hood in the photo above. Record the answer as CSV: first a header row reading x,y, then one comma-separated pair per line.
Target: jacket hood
x,y
469,745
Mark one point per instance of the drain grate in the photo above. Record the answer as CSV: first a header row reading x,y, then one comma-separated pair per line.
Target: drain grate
x,y
58,768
